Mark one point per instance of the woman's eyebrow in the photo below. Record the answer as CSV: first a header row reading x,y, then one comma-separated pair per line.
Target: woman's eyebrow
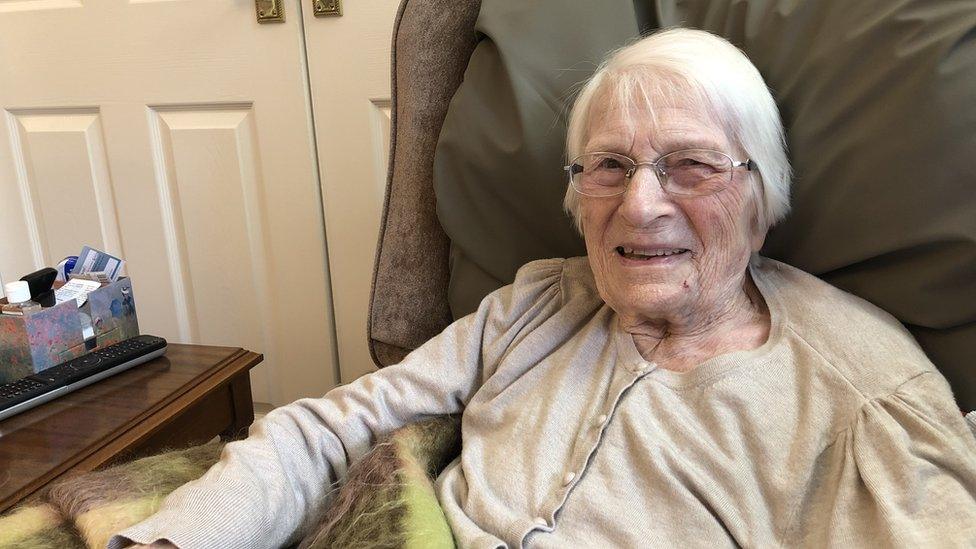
x,y
685,142
665,140
605,147
666,146
609,143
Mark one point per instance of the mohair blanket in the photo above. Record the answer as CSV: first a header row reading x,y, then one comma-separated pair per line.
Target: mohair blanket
x,y
386,500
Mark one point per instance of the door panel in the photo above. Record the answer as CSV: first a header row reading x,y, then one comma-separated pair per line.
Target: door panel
x,y
379,130
207,168
63,175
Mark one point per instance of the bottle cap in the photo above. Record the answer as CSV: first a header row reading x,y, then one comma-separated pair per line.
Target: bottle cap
x,y
17,291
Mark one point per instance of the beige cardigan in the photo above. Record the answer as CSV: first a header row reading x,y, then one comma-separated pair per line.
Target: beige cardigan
x,y
837,431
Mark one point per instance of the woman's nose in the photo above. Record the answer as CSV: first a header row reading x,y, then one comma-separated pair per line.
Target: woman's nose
x,y
645,200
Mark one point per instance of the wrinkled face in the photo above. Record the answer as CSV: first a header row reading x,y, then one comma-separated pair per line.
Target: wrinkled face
x,y
709,238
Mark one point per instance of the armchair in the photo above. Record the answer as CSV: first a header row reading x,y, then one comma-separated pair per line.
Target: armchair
x,y
878,103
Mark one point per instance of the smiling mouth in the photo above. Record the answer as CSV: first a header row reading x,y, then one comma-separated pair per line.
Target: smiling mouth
x,y
647,255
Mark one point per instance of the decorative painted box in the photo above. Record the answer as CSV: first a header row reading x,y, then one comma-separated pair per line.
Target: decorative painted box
x,y
29,344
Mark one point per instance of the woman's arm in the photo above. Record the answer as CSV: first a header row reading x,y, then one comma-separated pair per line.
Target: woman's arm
x,y
265,488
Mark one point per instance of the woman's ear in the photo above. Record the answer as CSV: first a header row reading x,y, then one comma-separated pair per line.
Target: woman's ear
x,y
578,218
758,237
757,228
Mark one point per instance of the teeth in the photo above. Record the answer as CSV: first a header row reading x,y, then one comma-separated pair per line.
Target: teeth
x,y
657,253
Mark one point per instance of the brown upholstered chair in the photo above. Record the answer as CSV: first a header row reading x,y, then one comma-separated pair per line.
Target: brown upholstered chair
x,y
858,87
432,42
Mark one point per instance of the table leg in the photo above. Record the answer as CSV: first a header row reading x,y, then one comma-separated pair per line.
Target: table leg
x,y
240,391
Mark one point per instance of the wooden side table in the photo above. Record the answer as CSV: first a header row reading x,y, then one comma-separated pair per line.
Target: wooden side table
x,y
185,397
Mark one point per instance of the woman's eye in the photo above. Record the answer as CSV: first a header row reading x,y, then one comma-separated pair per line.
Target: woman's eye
x,y
609,164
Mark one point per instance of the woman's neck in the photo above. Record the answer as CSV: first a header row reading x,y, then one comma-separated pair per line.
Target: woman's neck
x,y
738,321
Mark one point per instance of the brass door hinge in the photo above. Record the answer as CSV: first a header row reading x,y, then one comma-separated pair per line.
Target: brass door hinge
x,y
327,8
269,11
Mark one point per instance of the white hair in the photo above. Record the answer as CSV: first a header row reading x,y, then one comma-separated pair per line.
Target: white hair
x,y
682,66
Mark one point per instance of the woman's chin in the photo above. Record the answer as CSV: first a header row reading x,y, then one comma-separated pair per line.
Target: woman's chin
x,y
657,298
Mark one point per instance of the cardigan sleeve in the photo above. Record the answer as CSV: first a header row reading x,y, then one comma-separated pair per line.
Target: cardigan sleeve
x,y
908,472
265,487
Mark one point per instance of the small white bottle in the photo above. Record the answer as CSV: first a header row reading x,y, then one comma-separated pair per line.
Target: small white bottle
x,y
18,299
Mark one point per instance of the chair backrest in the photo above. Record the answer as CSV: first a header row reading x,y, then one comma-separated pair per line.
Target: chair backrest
x,y
879,105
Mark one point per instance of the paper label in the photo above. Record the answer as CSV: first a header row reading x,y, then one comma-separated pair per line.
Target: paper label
x,y
77,289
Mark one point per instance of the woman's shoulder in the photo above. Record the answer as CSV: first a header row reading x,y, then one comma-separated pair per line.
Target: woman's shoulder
x,y
542,287
860,341
571,276
543,299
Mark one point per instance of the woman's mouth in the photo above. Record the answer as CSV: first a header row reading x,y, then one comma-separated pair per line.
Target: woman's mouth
x,y
648,255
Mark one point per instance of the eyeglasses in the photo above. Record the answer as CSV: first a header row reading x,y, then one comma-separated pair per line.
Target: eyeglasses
x,y
688,172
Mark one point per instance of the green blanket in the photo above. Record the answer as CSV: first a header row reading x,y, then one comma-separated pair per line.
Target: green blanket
x,y
386,500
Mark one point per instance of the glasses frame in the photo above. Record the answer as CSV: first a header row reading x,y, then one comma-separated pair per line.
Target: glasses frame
x,y
662,175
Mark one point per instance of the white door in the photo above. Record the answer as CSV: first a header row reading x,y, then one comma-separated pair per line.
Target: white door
x,y
178,135
349,73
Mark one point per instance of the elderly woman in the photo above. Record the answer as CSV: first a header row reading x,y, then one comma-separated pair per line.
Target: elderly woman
x,y
670,388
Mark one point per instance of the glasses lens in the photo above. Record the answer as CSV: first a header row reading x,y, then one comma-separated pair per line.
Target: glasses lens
x,y
696,171
600,174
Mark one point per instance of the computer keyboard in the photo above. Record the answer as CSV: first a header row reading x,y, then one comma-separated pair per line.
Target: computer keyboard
x,y
28,392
